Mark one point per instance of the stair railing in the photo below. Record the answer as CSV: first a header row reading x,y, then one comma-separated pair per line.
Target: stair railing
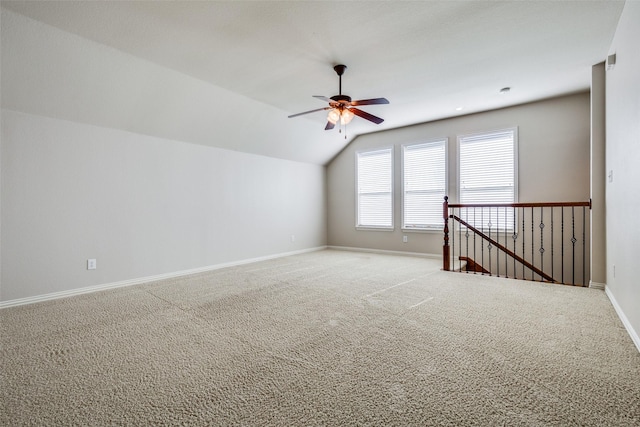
x,y
546,242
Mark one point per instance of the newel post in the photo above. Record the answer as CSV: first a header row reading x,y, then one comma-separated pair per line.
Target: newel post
x,y
445,246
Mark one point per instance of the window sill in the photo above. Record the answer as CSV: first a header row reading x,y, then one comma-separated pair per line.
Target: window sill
x,y
423,230
364,228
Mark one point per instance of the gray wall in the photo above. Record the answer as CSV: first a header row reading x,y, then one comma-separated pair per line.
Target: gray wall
x,y
623,159
598,177
140,205
553,166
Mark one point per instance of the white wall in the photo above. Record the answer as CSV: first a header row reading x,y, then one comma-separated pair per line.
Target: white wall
x,y
99,161
553,167
140,205
623,158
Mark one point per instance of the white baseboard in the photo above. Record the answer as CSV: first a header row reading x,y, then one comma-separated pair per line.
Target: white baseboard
x,y
632,333
597,285
138,281
385,252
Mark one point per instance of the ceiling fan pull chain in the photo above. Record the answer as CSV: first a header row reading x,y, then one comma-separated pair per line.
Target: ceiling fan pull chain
x,y
345,129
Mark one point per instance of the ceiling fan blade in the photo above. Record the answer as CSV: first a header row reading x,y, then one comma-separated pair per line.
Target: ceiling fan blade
x,y
373,101
365,115
310,111
324,98
329,126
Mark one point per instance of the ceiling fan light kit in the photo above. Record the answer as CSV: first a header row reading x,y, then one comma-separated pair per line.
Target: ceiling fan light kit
x,y
342,109
346,116
333,116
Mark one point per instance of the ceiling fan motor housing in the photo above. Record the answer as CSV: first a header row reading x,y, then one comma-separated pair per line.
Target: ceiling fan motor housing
x,y
341,98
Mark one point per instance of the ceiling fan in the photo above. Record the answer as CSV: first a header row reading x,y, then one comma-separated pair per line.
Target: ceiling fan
x,y
342,108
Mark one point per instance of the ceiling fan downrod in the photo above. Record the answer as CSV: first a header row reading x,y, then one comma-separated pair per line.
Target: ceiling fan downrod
x,y
339,69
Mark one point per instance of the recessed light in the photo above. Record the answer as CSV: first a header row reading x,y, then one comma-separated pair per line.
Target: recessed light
x,y
459,108
505,90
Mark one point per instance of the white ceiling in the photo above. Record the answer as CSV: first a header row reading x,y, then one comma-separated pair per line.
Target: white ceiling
x,y
426,57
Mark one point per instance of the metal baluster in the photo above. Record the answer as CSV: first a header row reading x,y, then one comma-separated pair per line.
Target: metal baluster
x,y
515,237
498,239
523,246
552,239
481,243
573,248
489,246
541,241
506,266
466,234
474,242
453,239
562,241
459,239
584,279
532,244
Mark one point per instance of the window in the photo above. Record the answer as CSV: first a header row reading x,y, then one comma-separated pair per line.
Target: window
x,y
424,183
375,189
488,174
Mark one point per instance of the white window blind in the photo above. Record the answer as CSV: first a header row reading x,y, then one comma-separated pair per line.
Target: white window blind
x,y
375,189
424,184
487,174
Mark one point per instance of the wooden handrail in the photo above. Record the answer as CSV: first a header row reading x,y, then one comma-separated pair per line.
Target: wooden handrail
x,y
519,205
503,248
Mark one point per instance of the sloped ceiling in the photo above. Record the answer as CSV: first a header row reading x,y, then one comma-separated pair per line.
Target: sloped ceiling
x,y
228,74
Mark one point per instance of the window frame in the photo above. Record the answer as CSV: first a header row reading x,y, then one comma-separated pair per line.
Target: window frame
x,y
358,153
429,227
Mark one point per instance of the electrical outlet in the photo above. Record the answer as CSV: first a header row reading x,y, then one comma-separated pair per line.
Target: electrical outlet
x,y
405,239
92,264
293,237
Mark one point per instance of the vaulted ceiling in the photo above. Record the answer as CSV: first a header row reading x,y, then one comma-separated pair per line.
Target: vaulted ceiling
x,y
228,73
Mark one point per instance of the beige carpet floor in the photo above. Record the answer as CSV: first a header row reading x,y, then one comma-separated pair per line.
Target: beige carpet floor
x,y
325,338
